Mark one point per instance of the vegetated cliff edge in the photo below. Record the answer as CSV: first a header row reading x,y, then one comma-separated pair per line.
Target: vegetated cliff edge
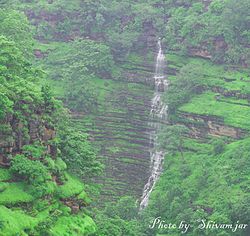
x,y
37,194
36,189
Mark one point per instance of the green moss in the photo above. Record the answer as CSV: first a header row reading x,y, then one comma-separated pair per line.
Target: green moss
x,y
60,164
3,186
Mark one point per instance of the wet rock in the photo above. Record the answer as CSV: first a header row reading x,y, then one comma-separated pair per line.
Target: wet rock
x,y
160,87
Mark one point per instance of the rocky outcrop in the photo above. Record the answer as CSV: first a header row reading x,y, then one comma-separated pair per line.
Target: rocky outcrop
x,y
230,93
222,130
200,52
16,133
138,77
120,131
201,125
205,51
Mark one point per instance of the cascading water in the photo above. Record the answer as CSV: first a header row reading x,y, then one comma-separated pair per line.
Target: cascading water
x,y
158,113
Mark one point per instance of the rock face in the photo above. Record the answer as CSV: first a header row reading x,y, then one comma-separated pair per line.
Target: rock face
x,y
16,133
230,93
200,126
120,132
135,75
199,52
222,130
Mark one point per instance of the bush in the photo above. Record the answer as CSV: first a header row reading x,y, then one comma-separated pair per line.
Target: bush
x,y
78,153
33,171
35,150
218,146
188,83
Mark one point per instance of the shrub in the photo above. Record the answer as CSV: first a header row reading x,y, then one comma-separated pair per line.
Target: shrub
x,y
33,171
218,146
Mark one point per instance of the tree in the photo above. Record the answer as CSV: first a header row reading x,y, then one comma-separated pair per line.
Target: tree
x,y
13,64
78,154
126,208
47,98
15,26
76,64
235,19
187,84
34,171
6,105
80,97
171,138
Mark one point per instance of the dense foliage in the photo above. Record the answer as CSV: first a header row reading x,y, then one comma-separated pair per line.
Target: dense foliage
x,y
75,64
216,29
29,115
220,29
77,152
83,48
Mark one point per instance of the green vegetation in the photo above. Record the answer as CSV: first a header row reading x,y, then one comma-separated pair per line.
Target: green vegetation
x,y
15,222
75,65
13,193
34,170
74,109
207,104
78,154
204,184
74,225
171,138
119,219
220,30
205,177
71,188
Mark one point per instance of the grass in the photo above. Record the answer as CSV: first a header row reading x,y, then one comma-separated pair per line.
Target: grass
x,y
15,222
197,145
71,187
16,193
206,104
223,76
73,226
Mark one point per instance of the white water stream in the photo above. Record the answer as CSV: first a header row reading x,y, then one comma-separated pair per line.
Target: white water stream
x,y
158,112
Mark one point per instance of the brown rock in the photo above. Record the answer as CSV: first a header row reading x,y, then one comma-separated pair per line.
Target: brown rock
x,y
75,209
222,130
48,134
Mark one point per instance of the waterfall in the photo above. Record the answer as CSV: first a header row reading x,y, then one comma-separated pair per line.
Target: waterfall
x,y
158,113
